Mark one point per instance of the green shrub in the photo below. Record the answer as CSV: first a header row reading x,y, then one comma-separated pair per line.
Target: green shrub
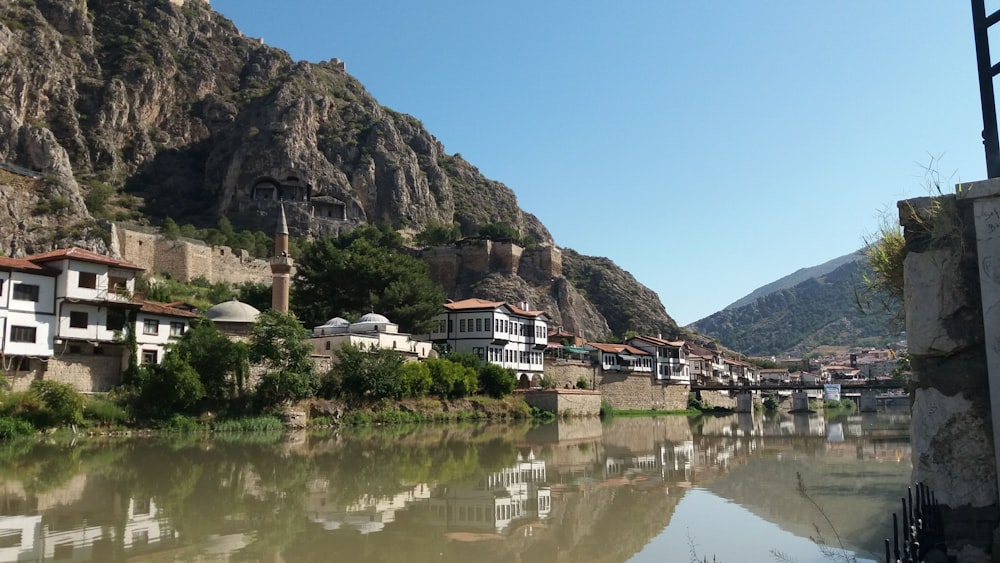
x,y
249,424
62,401
451,380
415,379
11,428
179,423
606,410
104,412
497,381
770,403
583,383
548,383
173,386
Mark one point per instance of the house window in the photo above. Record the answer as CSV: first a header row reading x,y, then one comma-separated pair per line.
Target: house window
x,y
26,292
22,334
87,280
327,344
116,319
176,329
461,325
149,356
118,285
77,319
479,325
1,287
151,326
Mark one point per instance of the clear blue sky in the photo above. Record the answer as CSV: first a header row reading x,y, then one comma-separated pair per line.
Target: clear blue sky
x,y
708,148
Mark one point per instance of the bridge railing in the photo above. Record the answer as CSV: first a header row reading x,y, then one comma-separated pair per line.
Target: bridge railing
x,y
921,536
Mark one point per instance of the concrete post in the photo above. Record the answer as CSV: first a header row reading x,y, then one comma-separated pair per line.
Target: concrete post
x,y
985,198
868,401
800,401
744,401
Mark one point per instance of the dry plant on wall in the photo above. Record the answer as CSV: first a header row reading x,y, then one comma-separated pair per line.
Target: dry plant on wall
x,y
935,219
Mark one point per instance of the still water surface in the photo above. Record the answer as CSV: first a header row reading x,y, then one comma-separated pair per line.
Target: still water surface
x,y
633,489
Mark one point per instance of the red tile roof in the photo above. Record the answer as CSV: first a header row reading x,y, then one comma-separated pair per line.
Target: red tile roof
x,y
163,309
23,265
661,342
618,349
77,253
474,303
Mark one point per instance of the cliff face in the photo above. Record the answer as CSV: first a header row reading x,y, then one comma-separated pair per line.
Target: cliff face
x,y
134,109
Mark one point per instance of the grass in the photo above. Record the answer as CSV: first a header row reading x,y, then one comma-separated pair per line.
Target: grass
x,y
657,412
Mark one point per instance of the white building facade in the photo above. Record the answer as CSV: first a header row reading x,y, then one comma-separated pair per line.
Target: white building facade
x,y
67,310
498,332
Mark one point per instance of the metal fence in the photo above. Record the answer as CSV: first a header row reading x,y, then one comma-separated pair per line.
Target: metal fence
x,y
921,536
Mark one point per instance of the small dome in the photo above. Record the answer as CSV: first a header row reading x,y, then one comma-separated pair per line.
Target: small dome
x,y
232,312
373,318
336,322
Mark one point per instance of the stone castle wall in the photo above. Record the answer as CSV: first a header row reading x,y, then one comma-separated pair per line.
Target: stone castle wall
x,y
476,258
186,260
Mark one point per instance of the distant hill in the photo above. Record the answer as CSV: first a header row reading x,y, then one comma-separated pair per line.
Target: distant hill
x,y
795,278
822,309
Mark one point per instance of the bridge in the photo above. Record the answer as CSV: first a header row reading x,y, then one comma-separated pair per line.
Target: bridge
x,y
844,386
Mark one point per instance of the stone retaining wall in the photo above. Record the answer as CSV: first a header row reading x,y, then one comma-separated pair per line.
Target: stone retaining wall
x,y
565,373
565,402
626,391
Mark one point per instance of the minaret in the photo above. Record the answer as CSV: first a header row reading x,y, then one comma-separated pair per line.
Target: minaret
x,y
281,267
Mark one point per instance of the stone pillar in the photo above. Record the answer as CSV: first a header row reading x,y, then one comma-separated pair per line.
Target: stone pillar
x,y
868,401
952,428
800,401
744,401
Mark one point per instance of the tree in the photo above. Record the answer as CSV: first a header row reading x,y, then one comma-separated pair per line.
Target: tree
x,y
281,345
499,231
363,271
451,380
436,234
170,387
220,363
255,294
497,381
370,374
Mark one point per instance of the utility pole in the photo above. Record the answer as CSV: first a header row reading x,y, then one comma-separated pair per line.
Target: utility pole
x,y
987,70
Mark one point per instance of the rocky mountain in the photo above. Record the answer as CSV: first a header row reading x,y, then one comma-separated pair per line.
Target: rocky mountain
x,y
831,308
795,278
141,110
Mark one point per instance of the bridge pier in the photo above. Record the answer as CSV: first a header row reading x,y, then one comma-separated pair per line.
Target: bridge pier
x,y
800,401
744,401
868,402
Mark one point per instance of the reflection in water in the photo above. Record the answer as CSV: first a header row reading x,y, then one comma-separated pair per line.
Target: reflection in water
x,y
573,490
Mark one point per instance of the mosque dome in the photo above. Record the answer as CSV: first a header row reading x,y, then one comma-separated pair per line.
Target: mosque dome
x,y
336,322
373,318
336,325
232,312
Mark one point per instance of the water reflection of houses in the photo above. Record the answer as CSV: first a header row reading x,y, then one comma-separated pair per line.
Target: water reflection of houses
x,y
673,463
367,514
71,524
515,493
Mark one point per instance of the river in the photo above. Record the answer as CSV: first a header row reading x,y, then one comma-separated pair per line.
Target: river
x,y
631,489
